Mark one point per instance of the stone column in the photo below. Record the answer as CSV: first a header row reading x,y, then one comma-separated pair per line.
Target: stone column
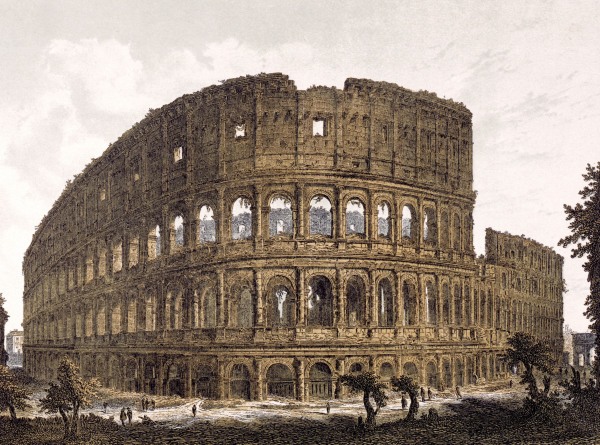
x,y
221,298
302,389
372,297
399,303
340,307
300,217
260,304
301,296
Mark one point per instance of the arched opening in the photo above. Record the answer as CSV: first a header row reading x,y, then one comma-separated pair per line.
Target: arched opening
x,y
175,381
445,231
446,303
131,376
320,302
241,219
432,377
207,230
115,321
410,370
386,372
431,301
280,381
356,368
458,319
177,239
408,223
101,320
468,303
410,304
245,309
283,307
210,307
386,303
150,378
320,216
154,242
430,226
471,375
355,302
484,367
320,381
239,382
447,370
281,221
355,217
205,381
383,220
456,233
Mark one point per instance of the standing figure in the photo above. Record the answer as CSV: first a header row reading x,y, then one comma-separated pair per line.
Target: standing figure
x,y
123,416
153,404
458,394
328,407
129,414
404,403
429,393
194,409
422,394
105,405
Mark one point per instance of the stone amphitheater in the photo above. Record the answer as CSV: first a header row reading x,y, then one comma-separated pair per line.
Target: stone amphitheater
x,y
254,240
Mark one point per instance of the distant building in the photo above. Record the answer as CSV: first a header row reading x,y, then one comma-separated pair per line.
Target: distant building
x,y
14,347
583,348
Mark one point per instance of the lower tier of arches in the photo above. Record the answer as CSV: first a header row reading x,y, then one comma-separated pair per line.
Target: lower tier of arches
x,y
257,375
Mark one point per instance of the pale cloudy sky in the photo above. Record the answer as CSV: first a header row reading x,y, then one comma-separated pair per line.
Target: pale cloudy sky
x,y
76,74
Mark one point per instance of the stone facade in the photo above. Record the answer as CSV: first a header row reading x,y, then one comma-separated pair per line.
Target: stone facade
x,y
254,239
14,347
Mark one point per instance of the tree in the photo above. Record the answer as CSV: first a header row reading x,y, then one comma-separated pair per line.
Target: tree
x,y
585,235
525,349
367,383
12,395
70,394
406,384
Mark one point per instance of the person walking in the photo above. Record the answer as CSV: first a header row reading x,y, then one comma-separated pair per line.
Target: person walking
x,y
194,409
129,414
429,393
123,416
105,405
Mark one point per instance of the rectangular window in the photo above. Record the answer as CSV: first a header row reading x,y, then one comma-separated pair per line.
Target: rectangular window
x,y
240,131
178,154
318,127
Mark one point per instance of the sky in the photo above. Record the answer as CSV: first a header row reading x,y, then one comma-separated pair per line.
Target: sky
x,y
76,74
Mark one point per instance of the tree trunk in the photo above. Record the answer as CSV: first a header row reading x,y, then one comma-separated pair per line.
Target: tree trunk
x,y
13,414
414,406
75,421
66,422
370,423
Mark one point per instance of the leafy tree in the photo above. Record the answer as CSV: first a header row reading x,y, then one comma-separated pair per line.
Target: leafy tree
x,y
408,385
70,394
585,235
12,395
367,383
525,349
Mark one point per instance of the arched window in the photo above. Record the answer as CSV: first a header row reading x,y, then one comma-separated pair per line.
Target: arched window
x,y
431,303
408,219
456,233
383,220
321,219
386,303
355,302
177,240
355,217
281,221
410,370
239,381
207,231
445,231
320,302
245,309
446,303
457,305
320,383
154,242
468,319
431,375
209,302
410,304
280,381
282,307
117,253
430,226
241,219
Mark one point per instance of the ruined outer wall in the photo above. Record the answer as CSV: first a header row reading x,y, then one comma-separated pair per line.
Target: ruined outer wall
x,y
97,289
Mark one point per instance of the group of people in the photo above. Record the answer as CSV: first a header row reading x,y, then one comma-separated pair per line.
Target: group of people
x,y
148,404
126,414
429,394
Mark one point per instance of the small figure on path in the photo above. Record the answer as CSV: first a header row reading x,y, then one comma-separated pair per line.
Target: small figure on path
x,y
442,386
328,407
429,393
511,384
153,404
458,394
129,414
404,403
123,416
104,405
422,394
194,409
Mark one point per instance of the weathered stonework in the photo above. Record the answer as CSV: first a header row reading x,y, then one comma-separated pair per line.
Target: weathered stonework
x,y
350,249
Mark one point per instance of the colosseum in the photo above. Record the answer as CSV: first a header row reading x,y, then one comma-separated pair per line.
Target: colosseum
x,y
254,240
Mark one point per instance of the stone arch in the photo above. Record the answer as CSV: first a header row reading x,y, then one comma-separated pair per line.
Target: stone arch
x,y
131,381
173,308
384,213
205,381
150,377
447,373
458,304
387,304
459,371
320,301
281,215
175,379
431,374
239,382
355,216
241,218
430,225
207,227
320,379
320,215
410,370
280,381
114,372
281,302
386,372
409,302
355,301
241,305
409,223
456,232
431,301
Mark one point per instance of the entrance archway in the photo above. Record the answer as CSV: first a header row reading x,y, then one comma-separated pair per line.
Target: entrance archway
x,y
320,381
280,381
239,382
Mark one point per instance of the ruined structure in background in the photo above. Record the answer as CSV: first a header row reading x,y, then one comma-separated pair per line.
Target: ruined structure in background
x,y
14,347
584,351
253,239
